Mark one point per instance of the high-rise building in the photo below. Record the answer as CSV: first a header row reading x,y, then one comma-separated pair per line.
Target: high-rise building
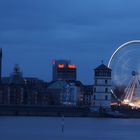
x,y
63,70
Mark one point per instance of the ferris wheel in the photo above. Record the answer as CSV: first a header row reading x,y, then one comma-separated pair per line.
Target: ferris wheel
x,y
125,65
123,61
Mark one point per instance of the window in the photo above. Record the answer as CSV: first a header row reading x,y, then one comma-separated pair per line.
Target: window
x,y
106,90
106,97
94,97
106,82
94,89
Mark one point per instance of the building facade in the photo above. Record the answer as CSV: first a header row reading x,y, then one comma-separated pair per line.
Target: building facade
x,y
87,96
63,70
102,87
72,95
68,93
18,90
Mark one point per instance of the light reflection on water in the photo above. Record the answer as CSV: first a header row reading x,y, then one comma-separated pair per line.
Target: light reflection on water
x,y
47,128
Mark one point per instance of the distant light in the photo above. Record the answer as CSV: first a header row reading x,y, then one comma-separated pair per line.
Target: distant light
x,y
126,101
61,66
71,66
132,104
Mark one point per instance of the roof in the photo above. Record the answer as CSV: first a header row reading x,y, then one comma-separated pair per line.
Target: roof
x,y
102,67
77,83
64,83
57,84
16,80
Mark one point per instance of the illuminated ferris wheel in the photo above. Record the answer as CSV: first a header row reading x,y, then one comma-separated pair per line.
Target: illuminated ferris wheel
x,y
124,60
125,65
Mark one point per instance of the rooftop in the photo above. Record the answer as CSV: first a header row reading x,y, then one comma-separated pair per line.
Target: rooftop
x,y
102,67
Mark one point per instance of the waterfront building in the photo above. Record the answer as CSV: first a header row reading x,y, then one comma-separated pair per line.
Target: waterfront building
x,y
63,70
102,87
15,93
4,94
12,90
73,95
68,93
19,90
87,96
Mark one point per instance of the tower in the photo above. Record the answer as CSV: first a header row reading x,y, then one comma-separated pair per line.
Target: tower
x,y
16,86
63,70
16,77
102,87
0,64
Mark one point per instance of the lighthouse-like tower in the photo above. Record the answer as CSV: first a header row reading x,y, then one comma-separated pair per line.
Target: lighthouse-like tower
x,y
102,87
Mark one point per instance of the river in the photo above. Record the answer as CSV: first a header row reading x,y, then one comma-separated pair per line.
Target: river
x,y
50,128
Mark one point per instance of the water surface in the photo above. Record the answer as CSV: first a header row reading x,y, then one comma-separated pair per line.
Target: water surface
x,y
49,128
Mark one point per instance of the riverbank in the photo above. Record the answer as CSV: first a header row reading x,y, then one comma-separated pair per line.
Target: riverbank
x,y
67,111
19,110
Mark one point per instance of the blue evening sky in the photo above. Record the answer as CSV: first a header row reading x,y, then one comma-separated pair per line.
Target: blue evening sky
x,y
34,32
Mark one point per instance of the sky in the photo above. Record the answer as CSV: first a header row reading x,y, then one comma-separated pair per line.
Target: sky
x,y
35,32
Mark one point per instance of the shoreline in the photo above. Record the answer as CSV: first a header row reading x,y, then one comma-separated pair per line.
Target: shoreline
x,y
67,111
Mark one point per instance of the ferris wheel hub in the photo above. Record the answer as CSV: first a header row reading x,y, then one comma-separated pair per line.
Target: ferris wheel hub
x,y
133,73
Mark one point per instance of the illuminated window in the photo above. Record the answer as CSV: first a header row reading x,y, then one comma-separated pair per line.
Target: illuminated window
x,y
71,66
61,66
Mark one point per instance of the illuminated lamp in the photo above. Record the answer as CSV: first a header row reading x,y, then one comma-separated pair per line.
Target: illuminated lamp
x,y
71,66
61,66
